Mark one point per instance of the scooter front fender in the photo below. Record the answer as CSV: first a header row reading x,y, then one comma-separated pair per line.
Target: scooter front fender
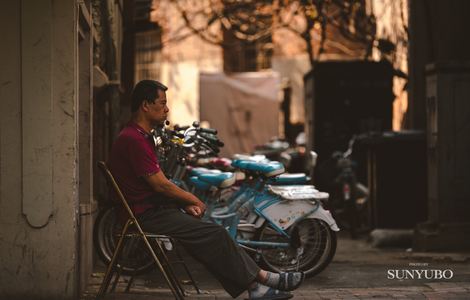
x,y
325,215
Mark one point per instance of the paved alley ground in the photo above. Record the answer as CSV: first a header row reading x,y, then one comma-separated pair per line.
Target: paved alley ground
x,y
358,271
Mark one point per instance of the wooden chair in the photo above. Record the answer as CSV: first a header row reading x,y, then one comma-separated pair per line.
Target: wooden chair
x,y
133,230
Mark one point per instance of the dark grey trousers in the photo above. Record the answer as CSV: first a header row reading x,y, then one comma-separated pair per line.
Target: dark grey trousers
x,y
208,243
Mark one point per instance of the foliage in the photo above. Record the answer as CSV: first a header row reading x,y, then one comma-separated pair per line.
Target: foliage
x,y
315,21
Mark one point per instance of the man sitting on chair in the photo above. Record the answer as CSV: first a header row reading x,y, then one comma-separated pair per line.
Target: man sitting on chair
x,y
156,202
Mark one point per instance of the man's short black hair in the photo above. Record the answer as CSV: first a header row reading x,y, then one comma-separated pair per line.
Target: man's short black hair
x,y
145,90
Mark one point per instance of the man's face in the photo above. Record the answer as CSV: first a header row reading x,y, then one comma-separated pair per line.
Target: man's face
x,y
157,112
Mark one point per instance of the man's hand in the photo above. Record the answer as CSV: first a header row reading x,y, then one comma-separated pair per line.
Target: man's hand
x,y
202,206
161,184
195,210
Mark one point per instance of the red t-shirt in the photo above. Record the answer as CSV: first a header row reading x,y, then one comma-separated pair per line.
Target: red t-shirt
x,y
133,157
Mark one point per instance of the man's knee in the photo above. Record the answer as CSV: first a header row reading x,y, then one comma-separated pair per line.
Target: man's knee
x,y
221,229
218,231
224,234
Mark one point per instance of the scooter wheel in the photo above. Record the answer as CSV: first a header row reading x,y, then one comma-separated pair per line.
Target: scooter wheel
x,y
313,246
135,258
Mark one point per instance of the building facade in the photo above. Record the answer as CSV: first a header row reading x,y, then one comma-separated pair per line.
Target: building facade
x,y
49,82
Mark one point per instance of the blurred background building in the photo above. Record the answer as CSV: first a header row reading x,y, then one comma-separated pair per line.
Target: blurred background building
x,y
68,67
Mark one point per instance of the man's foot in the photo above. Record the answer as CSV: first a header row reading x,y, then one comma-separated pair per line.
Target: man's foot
x,y
262,292
285,281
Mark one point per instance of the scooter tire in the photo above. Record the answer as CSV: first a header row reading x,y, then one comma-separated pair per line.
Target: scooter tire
x,y
104,241
281,260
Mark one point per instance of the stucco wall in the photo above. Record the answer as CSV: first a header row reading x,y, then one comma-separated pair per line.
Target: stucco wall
x,y
38,152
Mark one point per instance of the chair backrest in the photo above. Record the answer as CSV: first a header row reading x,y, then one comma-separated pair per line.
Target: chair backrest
x,y
114,186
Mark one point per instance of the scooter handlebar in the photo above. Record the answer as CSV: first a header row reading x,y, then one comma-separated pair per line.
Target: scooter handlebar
x,y
208,130
212,139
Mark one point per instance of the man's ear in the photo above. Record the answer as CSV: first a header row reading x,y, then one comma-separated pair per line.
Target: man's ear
x,y
145,105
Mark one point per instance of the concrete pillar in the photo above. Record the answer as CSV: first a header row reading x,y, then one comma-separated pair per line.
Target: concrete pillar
x,y
87,204
448,141
439,41
38,150
419,54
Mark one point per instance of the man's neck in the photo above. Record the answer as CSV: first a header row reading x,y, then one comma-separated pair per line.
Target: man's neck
x,y
144,124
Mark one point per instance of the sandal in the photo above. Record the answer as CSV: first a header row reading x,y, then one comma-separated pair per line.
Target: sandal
x,y
273,294
286,281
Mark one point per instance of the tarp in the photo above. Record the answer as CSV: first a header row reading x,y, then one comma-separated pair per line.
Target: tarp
x,y
294,69
243,107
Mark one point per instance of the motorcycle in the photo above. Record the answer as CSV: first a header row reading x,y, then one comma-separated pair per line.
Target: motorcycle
x,y
349,199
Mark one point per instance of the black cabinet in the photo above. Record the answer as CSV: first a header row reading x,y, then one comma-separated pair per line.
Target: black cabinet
x,y
397,169
346,98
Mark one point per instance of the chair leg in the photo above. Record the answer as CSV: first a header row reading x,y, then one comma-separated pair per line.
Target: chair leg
x,y
109,271
129,284
173,276
174,290
180,259
116,280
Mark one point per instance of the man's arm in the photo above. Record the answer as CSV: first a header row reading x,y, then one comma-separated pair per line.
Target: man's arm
x,y
161,184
